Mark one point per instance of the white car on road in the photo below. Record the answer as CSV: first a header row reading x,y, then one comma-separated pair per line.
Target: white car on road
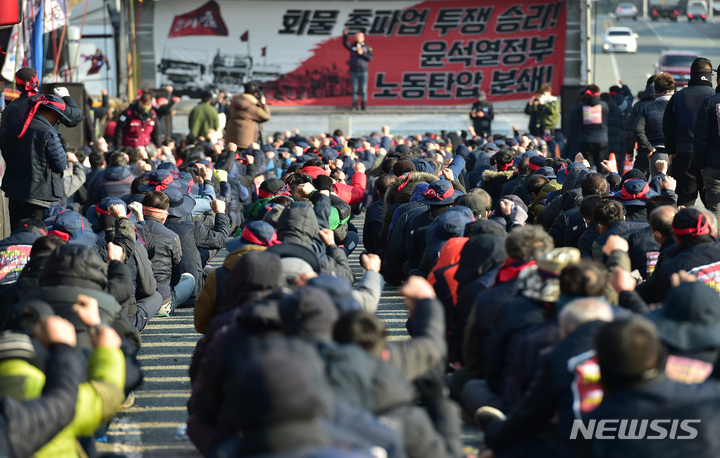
x,y
620,39
626,11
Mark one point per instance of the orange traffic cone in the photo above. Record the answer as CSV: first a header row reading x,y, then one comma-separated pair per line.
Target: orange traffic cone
x,y
613,163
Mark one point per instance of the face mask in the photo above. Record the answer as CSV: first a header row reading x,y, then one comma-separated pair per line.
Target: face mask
x,y
144,109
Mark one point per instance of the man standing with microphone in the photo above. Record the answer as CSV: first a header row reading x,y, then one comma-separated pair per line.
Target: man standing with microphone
x,y
360,56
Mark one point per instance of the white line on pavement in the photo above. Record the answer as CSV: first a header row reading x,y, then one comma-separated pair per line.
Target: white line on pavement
x,y
616,70
650,26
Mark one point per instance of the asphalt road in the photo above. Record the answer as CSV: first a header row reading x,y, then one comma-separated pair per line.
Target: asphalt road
x,y
654,37
154,425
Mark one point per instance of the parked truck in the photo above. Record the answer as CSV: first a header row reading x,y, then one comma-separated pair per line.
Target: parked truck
x,y
664,9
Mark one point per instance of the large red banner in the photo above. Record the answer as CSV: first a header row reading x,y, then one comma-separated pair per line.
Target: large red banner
x,y
433,53
424,53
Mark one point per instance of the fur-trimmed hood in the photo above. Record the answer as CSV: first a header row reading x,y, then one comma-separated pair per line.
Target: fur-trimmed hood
x,y
401,189
490,175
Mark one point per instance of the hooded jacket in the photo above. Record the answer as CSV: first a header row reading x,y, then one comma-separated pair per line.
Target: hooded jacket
x,y
493,182
212,292
540,201
299,225
111,182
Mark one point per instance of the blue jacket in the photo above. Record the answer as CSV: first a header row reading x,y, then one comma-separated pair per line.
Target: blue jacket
x,y
35,163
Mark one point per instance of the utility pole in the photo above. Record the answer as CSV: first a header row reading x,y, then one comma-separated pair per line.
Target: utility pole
x,y
586,50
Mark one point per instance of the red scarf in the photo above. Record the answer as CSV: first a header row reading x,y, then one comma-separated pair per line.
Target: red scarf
x,y
512,269
34,104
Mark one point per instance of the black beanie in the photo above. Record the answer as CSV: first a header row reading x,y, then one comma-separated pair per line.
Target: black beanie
x,y
323,183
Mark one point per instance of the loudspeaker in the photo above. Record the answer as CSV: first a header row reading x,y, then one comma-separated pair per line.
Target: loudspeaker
x,y
73,136
570,97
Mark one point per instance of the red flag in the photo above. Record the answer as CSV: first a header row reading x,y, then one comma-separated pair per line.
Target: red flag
x,y
205,20
245,36
264,52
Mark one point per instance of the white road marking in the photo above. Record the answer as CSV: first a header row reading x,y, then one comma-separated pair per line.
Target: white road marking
x,y
650,26
616,70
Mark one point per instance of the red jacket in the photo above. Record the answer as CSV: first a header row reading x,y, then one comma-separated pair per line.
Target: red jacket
x,y
133,130
352,193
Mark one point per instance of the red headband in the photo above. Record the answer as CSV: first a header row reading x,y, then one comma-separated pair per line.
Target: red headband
x,y
591,94
403,184
700,229
284,191
35,103
159,186
534,167
248,235
502,167
432,194
627,196
63,235
28,86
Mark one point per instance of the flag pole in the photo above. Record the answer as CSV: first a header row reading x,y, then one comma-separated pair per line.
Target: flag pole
x,y
82,28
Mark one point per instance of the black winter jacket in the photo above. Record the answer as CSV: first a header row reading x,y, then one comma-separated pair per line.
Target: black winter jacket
x,y
662,398
549,395
513,318
195,236
592,129
35,163
165,253
680,114
616,128
706,145
646,97
648,126
374,218
701,252
395,252
479,328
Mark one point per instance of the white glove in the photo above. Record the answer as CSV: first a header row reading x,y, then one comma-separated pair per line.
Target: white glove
x,y
137,209
61,92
